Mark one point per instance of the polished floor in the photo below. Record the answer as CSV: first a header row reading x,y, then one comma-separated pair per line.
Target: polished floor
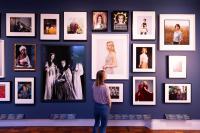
x,y
85,130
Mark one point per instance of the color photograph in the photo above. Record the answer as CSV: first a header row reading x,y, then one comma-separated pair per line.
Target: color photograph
x,y
2,59
100,20
5,91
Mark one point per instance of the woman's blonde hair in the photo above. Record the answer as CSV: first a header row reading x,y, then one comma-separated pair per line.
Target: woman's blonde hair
x,y
144,49
100,78
111,43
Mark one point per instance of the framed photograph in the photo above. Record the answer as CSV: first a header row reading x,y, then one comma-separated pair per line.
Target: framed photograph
x,y
144,91
144,58
99,20
120,20
63,73
177,32
116,91
20,24
49,26
177,66
143,25
5,91
24,90
110,52
24,57
2,59
177,93
75,25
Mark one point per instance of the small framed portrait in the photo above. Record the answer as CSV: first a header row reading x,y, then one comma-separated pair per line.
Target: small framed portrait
x,y
120,20
24,57
177,93
75,25
2,59
24,90
49,26
99,20
144,91
143,25
110,52
177,32
116,91
177,66
144,58
20,24
5,91
63,73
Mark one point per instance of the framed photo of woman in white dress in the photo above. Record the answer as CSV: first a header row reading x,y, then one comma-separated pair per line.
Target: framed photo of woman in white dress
x,y
24,57
63,73
99,20
110,52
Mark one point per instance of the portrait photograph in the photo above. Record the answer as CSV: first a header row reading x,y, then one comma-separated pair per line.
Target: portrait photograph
x,y
143,25
116,91
177,66
120,20
49,26
177,32
143,57
144,91
20,24
5,91
63,73
110,52
2,59
177,93
75,25
24,90
99,21
24,57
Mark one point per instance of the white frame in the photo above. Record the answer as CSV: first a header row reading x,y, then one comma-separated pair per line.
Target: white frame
x,y
120,85
125,39
137,36
50,36
31,34
7,91
24,79
189,97
2,55
82,15
154,91
192,36
135,69
174,59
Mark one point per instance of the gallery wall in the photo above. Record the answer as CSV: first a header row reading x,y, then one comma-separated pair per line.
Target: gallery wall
x,y
84,109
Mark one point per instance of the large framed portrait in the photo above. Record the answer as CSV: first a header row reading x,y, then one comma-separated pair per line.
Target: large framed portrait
x,y
177,93
24,90
99,20
49,26
5,91
20,24
63,73
177,32
143,25
177,66
120,20
144,58
75,25
2,59
24,57
116,91
110,52
144,91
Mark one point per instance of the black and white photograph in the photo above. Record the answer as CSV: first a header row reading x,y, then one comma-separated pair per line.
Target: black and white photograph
x,y
63,73
116,91
120,21
20,24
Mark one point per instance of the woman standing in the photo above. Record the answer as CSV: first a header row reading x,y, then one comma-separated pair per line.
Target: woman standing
x,y
177,36
143,59
101,95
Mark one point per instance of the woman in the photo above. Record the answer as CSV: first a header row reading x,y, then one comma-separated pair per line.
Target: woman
x,y
99,25
23,60
143,94
177,36
111,59
143,29
51,73
101,95
143,59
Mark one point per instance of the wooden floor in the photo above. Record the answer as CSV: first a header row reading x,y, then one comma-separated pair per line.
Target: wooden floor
x,y
85,130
